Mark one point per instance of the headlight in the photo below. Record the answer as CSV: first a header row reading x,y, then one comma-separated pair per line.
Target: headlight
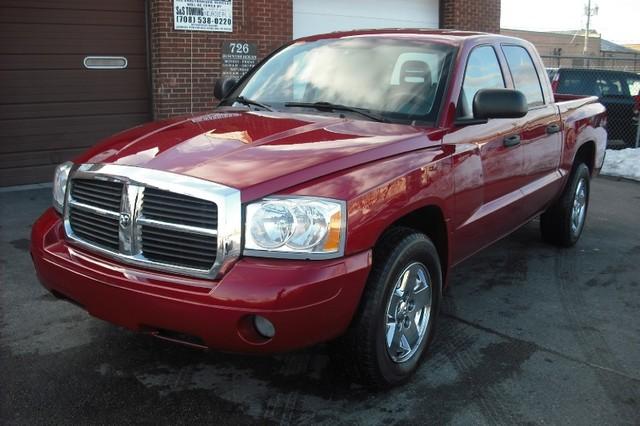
x,y
295,227
60,185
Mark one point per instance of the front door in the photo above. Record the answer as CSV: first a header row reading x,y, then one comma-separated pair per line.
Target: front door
x,y
487,165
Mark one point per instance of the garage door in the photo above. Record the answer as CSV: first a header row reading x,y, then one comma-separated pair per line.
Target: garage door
x,y
51,105
315,17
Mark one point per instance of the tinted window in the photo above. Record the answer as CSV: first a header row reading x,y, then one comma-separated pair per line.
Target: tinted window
x,y
610,86
576,83
598,83
634,86
525,77
482,72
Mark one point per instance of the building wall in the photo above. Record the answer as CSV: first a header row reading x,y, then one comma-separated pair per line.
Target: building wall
x,y
566,51
547,42
470,15
185,64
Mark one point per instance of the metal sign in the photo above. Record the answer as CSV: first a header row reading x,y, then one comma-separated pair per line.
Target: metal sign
x,y
238,57
203,15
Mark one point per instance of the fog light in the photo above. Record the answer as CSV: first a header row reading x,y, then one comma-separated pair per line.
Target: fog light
x,y
264,326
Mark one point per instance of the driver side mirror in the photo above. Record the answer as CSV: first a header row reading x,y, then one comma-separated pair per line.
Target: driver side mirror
x,y
499,103
223,87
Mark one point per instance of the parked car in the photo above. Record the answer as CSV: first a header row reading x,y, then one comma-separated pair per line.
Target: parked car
x,y
326,198
618,91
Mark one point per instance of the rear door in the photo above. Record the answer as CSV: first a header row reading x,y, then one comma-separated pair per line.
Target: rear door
x,y
64,83
541,135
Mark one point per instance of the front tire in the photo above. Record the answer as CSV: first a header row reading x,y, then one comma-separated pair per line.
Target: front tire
x,y
395,322
563,222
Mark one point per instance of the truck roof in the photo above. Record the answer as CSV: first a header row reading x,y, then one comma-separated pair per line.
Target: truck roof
x,y
443,35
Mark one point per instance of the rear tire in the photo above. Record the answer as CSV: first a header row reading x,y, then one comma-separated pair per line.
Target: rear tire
x,y
563,222
395,322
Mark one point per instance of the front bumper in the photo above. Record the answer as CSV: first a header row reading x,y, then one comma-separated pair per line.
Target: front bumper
x,y
307,301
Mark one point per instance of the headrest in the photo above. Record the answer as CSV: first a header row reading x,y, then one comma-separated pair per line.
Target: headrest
x,y
415,72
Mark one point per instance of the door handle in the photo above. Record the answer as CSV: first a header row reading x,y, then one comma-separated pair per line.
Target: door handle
x,y
553,128
512,140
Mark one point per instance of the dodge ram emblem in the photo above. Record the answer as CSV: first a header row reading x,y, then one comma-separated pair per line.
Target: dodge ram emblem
x,y
125,220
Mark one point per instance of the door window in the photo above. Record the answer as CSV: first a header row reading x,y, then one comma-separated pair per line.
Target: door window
x,y
482,72
523,72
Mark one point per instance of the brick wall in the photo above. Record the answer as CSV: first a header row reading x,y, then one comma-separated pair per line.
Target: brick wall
x,y
471,15
185,64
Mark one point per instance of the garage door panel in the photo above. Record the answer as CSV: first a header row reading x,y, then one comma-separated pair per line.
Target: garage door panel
x,y
68,39
26,175
15,129
32,62
40,158
57,86
315,17
65,140
76,109
32,16
88,5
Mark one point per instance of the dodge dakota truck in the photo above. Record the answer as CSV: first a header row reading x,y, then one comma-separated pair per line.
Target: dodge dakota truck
x,y
325,199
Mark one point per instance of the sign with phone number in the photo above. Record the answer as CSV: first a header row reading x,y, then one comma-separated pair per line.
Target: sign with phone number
x,y
203,15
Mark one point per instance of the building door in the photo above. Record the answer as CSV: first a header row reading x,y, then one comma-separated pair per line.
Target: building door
x,y
71,73
316,17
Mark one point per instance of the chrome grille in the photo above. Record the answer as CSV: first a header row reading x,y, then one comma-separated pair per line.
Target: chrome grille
x,y
176,208
98,193
86,222
155,219
192,242
102,231
178,248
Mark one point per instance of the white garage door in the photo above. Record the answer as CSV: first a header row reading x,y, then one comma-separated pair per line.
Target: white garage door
x,y
315,17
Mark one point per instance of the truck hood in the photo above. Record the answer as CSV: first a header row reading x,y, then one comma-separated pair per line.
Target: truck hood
x,y
258,152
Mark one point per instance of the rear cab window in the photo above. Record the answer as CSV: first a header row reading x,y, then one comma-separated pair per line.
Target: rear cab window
x,y
523,73
482,72
576,83
599,83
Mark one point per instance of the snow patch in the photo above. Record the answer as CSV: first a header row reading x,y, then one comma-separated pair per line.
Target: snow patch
x,y
622,163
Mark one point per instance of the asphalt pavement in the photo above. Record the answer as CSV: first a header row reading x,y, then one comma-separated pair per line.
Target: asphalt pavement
x,y
529,334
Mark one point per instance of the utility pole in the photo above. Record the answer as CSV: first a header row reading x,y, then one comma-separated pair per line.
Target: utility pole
x,y
589,11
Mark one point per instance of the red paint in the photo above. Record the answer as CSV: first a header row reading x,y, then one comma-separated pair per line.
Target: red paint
x,y
384,171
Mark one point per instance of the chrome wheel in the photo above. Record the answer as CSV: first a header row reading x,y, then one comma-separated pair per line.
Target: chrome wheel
x,y
579,209
408,312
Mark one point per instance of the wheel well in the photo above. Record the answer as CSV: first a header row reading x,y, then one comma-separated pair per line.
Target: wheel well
x,y
430,221
586,154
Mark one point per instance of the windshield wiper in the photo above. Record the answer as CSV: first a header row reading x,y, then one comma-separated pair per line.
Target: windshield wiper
x,y
249,102
328,106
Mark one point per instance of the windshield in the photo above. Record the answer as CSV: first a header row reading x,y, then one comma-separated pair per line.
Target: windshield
x,y
396,79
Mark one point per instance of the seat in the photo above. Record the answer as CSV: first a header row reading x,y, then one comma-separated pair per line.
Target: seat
x,y
414,89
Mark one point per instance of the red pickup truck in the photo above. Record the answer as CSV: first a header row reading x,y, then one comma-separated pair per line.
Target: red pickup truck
x,y
326,198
